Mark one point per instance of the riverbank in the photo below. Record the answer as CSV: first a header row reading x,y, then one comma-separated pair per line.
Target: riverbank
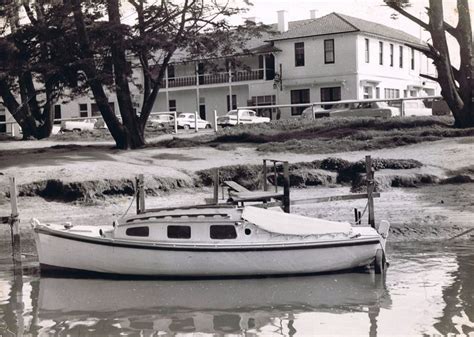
x,y
427,188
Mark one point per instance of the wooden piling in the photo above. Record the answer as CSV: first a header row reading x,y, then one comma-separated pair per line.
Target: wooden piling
x,y
216,186
370,189
140,193
286,188
15,228
265,182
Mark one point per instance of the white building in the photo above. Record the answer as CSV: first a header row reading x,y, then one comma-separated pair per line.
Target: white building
x,y
329,58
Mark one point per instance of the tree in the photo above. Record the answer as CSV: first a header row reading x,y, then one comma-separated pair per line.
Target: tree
x,y
197,27
456,83
26,70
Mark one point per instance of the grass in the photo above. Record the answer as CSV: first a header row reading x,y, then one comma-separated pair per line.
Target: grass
x,y
328,135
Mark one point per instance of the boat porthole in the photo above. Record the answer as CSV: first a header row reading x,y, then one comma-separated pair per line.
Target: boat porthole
x,y
248,231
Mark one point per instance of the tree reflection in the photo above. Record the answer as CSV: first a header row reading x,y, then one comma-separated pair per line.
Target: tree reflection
x,y
458,314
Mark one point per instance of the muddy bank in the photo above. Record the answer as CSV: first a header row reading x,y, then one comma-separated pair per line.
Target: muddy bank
x,y
329,172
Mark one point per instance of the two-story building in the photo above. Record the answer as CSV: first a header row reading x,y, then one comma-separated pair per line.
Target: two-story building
x,y
328,58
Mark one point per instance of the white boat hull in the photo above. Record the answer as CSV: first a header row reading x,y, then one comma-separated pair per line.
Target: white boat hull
x,y
117,257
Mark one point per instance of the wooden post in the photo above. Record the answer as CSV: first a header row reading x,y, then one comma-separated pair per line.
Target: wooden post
x,y
286,188
15,228
140,194
175,115
275,175
216,186
215,120
370,189
265,182
196,121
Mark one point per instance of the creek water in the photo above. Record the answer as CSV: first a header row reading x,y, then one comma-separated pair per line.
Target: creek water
x,y
427,290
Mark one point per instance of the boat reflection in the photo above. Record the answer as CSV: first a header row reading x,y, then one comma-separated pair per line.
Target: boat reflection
x,y
86,306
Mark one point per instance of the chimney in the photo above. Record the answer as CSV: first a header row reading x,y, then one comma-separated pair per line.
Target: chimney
x,y
282,21
312,13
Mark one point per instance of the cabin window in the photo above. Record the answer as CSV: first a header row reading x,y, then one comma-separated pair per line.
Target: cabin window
x,y
138,231
223,232
179,232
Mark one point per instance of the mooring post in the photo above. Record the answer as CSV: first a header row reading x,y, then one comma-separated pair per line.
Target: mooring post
x,y
370,189
265,183
15,228
216,186
286,188
140,194
275,176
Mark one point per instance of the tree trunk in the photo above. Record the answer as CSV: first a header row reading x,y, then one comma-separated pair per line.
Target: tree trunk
x,y
132,125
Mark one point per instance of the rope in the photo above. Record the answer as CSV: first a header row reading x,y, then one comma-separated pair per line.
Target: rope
x,y
131,203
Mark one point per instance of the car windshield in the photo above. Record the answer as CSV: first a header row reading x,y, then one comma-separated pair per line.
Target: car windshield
x,y
232,112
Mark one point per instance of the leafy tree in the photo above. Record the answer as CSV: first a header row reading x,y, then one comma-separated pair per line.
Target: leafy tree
x,y
196,28
457,84
27,70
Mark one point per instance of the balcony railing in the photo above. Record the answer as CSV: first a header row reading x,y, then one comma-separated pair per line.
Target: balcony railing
x,y
216,78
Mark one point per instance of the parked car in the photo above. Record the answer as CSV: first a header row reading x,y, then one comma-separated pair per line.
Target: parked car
x,y
416,108
187,121
317,111
162,120
244,117
363,109
78,125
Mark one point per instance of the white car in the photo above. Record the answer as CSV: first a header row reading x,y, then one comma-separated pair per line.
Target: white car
x,y
78,125
317,111
363,109
244,117
162,120
416,108
187,121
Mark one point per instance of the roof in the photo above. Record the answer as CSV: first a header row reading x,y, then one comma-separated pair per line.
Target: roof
x,y
336,23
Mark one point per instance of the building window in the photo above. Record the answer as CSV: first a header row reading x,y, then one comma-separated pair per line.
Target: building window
x,y
57,113
234,103
179,232
263,100
3,118
412,59
299,97
329,56
367,92
330,95
391,55
83,110
299,54
202,107
391,93
377,92
143,231
401,57
172,105
367,53
223,232
381,53
171,73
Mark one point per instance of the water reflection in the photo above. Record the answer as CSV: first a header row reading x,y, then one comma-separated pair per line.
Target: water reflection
x,y
458,314
428,290
250,306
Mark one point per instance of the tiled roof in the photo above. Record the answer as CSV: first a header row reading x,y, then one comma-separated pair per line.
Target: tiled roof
x,y
336,23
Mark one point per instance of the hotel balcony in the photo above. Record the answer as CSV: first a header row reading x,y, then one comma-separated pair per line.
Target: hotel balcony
x,y
220,78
